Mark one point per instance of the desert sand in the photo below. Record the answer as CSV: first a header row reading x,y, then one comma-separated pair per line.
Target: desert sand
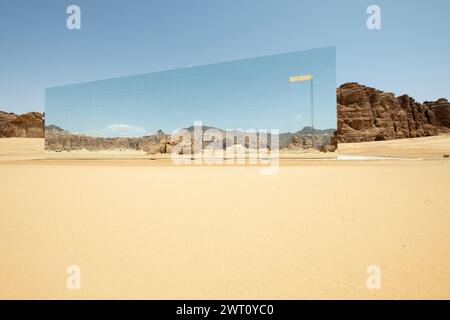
x,y
148,229
21,148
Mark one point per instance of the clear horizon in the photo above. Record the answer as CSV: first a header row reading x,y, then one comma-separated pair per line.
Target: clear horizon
x,y
252,93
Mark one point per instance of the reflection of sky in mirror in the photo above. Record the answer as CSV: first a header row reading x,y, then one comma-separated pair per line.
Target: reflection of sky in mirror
x,y
251,93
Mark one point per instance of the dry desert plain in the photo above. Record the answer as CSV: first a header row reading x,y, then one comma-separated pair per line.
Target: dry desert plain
x,y
141,228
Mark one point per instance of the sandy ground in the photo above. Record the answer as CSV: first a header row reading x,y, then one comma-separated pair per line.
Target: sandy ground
x,y
21,148
426,148
147,229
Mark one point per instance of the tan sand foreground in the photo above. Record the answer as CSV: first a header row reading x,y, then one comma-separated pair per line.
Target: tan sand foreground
x,y
146,229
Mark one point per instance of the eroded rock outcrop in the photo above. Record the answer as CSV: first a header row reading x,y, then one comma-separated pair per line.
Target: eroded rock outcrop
x,y
29,125
441,110
364,114
368,114
57,139
61,140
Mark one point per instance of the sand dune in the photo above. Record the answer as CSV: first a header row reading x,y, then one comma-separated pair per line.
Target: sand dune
x,y
146,229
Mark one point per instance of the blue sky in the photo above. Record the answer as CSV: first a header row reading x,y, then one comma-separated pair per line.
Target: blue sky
x,y
408,55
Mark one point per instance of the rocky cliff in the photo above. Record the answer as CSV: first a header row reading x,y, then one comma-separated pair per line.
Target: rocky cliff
x,y
364,114
441,109
29,125
57,139
368,114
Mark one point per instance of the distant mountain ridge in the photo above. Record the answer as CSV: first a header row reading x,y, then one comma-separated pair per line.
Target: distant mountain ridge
x,y
58,139
363,114
54,129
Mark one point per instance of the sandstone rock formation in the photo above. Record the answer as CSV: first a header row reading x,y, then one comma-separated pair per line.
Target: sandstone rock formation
x,y
29,125
364,114
441,110
57,139
368,114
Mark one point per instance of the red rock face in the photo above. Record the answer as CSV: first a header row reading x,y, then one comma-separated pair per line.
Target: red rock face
x,y
29,125
368,114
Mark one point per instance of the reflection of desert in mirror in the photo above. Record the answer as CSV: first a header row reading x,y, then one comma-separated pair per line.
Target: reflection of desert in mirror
x,y
314,139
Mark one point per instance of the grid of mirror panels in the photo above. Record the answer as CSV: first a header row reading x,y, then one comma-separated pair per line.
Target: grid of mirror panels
x,y
288,92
